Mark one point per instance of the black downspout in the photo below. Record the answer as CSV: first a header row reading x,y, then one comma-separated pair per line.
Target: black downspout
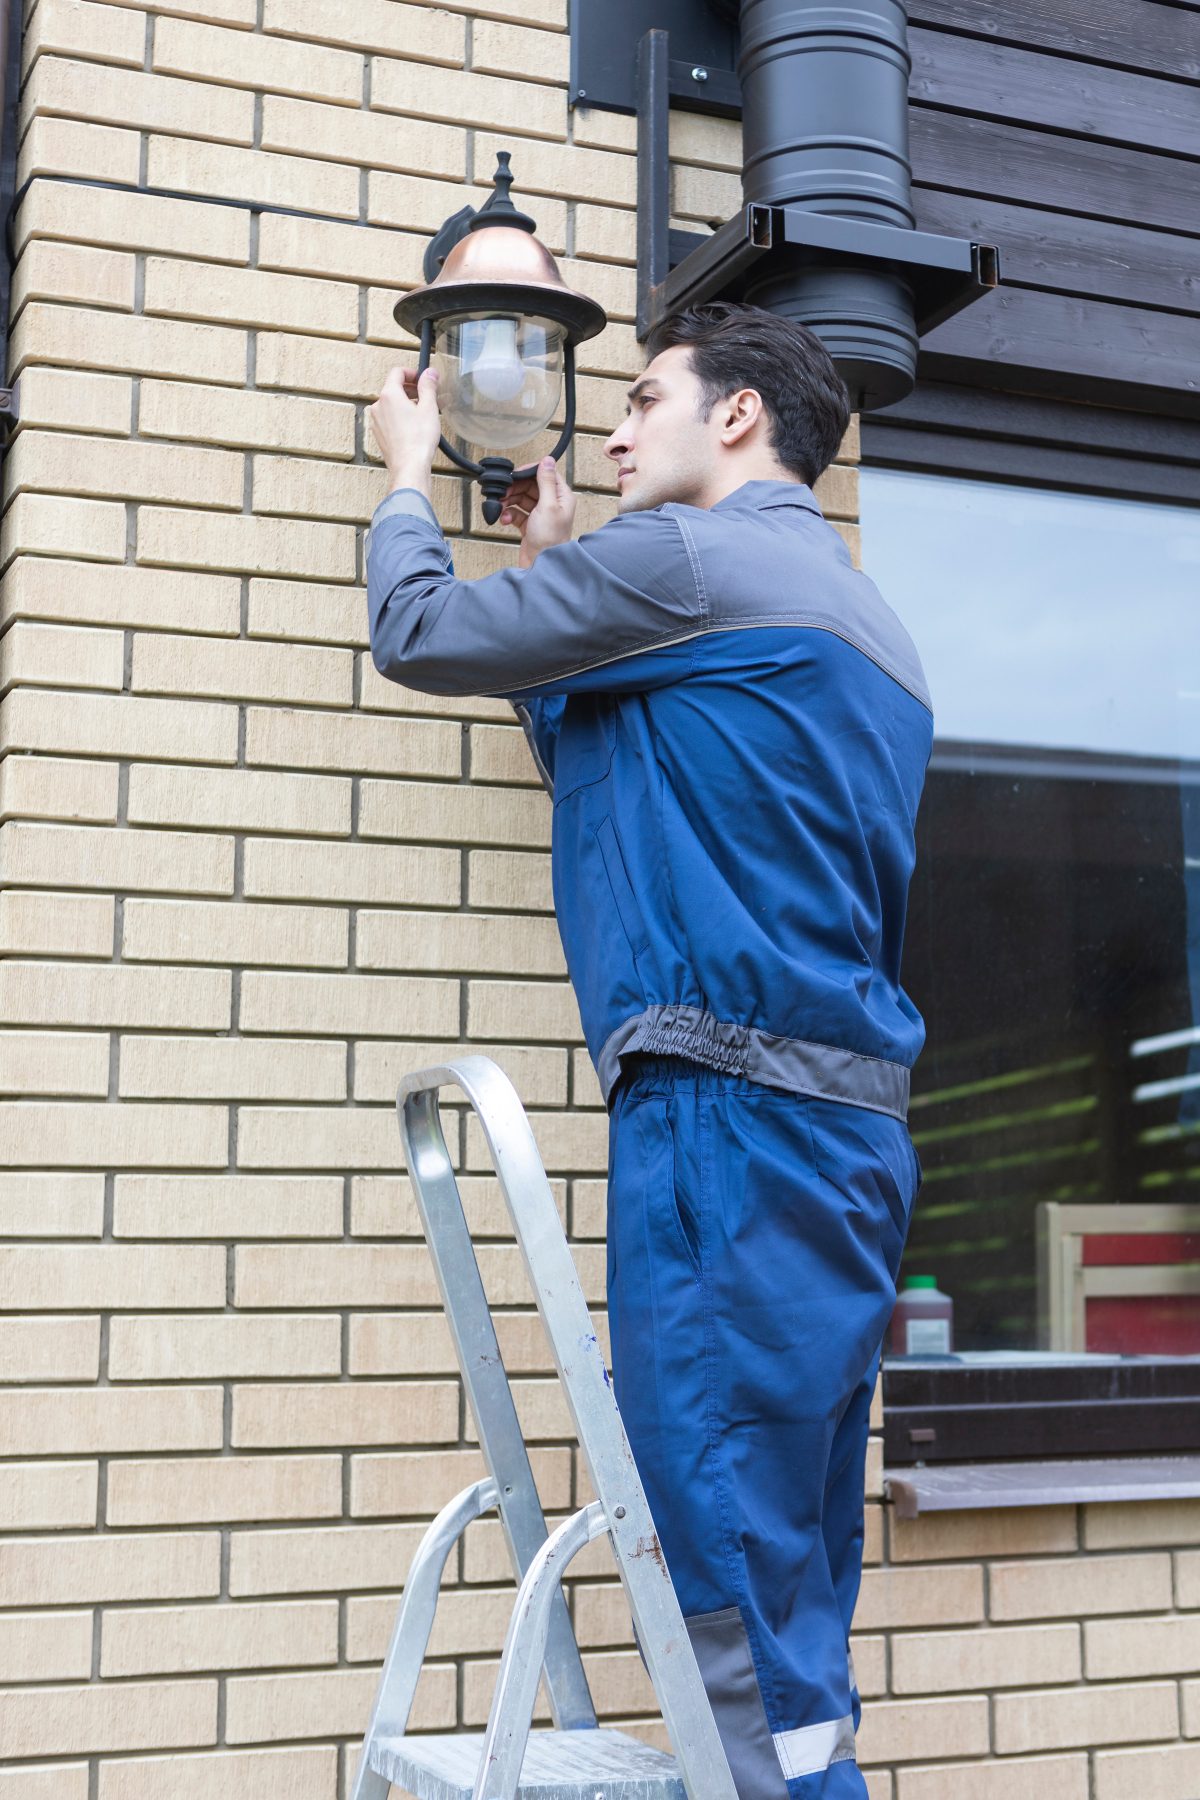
x,y
10,101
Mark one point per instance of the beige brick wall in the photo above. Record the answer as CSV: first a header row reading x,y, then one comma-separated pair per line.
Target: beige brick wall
x,y
246,884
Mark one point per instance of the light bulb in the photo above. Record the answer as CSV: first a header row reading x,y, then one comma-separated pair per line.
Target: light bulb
x,y
491,363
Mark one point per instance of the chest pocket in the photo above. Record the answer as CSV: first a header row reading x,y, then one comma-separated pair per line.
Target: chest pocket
x,y
587,738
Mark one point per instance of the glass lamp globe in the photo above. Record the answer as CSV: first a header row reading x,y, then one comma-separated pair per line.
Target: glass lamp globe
x,y
500,376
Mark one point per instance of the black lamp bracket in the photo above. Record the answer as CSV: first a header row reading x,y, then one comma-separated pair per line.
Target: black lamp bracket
x,y
684,268
495,473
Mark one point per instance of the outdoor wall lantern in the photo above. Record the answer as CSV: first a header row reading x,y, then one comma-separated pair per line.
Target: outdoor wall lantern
x,y
500,326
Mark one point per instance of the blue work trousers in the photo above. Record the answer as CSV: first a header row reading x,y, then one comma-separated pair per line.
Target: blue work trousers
x,y
754,1240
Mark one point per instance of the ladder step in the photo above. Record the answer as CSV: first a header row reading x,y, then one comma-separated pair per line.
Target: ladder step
x,y
599,1764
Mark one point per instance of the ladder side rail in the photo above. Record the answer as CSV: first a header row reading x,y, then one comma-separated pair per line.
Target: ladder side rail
x,y
486,1380
653,1603
516,1688
410,1633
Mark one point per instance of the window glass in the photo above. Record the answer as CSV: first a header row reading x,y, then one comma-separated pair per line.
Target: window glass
x,y
1053,941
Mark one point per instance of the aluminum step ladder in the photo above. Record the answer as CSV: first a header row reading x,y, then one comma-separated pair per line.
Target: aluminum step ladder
x,y
577,1760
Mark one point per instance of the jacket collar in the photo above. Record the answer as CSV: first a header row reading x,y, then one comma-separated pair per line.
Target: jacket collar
x,y
763,494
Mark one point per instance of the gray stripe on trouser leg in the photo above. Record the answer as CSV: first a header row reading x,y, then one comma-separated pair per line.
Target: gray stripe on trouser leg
x,y
811,1748
723,1653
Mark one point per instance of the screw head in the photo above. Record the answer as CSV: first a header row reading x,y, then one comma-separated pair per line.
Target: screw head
x,y
618,1512
699,74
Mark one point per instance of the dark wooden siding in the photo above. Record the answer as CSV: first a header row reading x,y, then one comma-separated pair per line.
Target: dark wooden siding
x,y
1067,132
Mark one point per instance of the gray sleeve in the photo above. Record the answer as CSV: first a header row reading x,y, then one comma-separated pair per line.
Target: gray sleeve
x,y
592,613
410,501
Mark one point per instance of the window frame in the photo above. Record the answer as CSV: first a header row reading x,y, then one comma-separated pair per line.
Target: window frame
x,y
947,1411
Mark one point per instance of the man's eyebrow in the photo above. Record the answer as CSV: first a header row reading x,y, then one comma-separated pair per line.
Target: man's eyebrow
x,y
638,387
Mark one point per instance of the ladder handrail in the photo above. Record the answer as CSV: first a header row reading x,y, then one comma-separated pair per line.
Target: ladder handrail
x,y
666,1647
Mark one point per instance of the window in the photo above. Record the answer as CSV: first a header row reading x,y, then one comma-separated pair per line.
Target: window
x,y
1054,928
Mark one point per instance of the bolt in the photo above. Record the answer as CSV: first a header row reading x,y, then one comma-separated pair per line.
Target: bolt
x,y
619,1512
699,74
581,93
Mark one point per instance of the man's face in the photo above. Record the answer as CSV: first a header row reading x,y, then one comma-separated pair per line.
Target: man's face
x,y
669,451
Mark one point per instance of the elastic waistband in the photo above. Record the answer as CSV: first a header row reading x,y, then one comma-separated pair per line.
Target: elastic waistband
x,y
645,1074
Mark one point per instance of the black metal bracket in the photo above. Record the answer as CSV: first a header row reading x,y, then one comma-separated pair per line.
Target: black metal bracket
x,y
682,268
704,34
9,398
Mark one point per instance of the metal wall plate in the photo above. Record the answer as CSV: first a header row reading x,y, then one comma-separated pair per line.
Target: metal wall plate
x,y
604,41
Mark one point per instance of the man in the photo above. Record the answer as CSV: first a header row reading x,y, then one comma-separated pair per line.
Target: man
x,y
735,731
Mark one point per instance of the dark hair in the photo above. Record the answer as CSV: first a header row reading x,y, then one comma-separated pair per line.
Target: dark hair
x,y
734,346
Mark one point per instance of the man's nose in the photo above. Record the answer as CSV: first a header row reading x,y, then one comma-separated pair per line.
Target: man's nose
x,y
618,442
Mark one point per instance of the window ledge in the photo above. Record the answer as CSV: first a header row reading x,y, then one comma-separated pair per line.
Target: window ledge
x,y
959,1487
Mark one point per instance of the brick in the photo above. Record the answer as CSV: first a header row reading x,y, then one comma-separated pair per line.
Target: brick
x,y
48,1781
498,49
54,525
339,134
910,1730
291,869
309,487
378,693
282,738
262,1708
455,813
148,102
708,195
64,400
244,59
46,1572
134,343
223,1490
323,365
37,1133
938,1662
64,1421
1171,1772
1062,1718
455,95
227,1206
300,181
55,1646
163,1640
325,1559
509,878
167,1348
539,1075
54,1278
228,932
500,753
133,221
119,725
469,1620
186,290
47,1496
1094,1584
333,1275
80,272
60,461
277,1416
1187,1578
561,170
1064,1776
523,1009
1190,1692
231,1069
237,800
568,1142
1133,1524
889,1598
114,34
423,33
101,593
54,1349
458,942
341,252
237,670
1007,1531
1134,1647
415,204
179,409
54,1063
133,1716
74,147
416,1482
412,1343
346,1005
291,1774
305,609
58,1205
318,1138
45,787
186,537
36,855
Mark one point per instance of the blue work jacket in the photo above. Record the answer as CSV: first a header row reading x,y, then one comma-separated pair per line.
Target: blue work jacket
x,y
735,730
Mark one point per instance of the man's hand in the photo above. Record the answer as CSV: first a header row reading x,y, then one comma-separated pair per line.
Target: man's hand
x,y
407,429
542,507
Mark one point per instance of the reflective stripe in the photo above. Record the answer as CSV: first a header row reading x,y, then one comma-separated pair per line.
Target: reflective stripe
x,y
526,718
811,1748
850,1672
822,1070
